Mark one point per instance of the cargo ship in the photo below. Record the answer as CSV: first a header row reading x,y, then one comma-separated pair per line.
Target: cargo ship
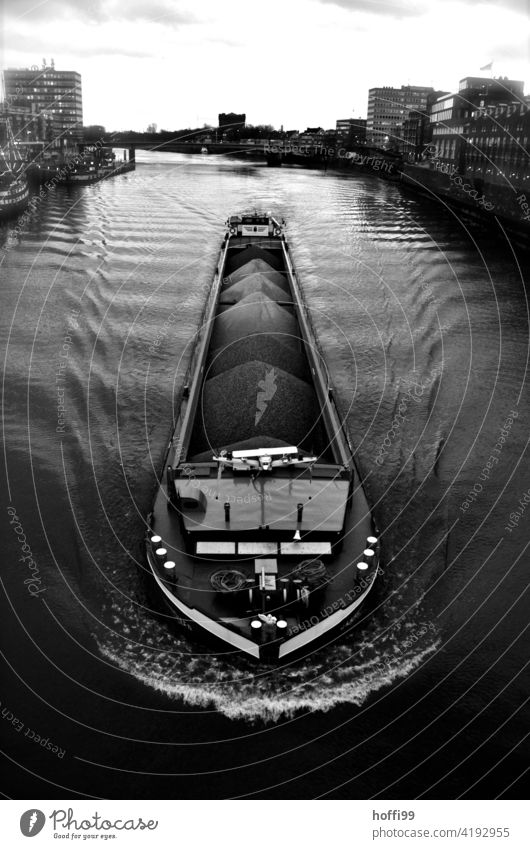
x,y
261,537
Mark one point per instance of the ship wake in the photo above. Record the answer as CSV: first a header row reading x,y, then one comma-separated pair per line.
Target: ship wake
x,y
348,672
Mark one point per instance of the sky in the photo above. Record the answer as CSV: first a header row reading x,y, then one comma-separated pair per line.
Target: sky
x,y
296,63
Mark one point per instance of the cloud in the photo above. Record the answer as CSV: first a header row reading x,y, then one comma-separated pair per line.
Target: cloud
x,y
40,43
417,8
389,8
99,11
522,7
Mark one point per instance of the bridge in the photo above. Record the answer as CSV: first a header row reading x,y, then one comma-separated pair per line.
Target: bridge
x,y
276,151
174,144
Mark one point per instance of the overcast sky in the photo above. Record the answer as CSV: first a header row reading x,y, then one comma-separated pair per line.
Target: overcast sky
x,y
299,63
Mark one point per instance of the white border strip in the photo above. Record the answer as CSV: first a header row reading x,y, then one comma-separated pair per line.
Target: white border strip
x,y
322,627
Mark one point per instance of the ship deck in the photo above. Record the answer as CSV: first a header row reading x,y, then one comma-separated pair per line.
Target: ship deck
x,y
192,578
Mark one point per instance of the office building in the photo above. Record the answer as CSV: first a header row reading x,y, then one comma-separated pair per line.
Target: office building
x,y
388,108
451,114
53,97
350,132
496,148
416,132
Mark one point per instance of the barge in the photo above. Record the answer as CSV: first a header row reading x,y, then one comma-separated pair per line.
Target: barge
x,y
260,537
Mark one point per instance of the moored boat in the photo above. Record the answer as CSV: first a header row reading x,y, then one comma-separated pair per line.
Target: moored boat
x,y
85,172
97,164
14,189
14,193
261,535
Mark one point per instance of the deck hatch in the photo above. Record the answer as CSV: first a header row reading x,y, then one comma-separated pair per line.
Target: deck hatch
x,y
215,547
305,548
257,548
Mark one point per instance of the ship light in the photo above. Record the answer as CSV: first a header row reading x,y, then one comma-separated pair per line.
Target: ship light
x,y
265,462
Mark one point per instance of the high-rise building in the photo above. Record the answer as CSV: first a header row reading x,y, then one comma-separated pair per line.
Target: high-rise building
x,y
45,91
388,108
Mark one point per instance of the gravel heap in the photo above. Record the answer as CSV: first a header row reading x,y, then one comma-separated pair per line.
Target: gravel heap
x,y
256,393
254,314
237,406
252,284
271,348
257,266
272,258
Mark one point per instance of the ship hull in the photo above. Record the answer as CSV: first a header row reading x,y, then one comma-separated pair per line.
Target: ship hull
x,y
176,615
13,202
88,178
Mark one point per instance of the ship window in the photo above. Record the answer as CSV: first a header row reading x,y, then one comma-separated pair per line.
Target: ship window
x,y
250,220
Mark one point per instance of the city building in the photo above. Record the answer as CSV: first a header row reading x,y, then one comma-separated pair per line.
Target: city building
x,y
350,132
231,124
451,114
312,136
416,132
93,133
388,108
53,97
29,127
496,146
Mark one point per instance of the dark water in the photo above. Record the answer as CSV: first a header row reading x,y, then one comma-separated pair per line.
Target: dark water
x,y
424,327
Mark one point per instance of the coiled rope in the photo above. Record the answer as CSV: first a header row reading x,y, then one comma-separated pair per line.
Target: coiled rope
x,y
312,571
227,580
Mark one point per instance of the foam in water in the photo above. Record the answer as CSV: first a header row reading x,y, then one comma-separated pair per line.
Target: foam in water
x,y
347,672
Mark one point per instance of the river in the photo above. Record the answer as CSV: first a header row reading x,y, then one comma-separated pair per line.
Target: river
x,y
417,314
